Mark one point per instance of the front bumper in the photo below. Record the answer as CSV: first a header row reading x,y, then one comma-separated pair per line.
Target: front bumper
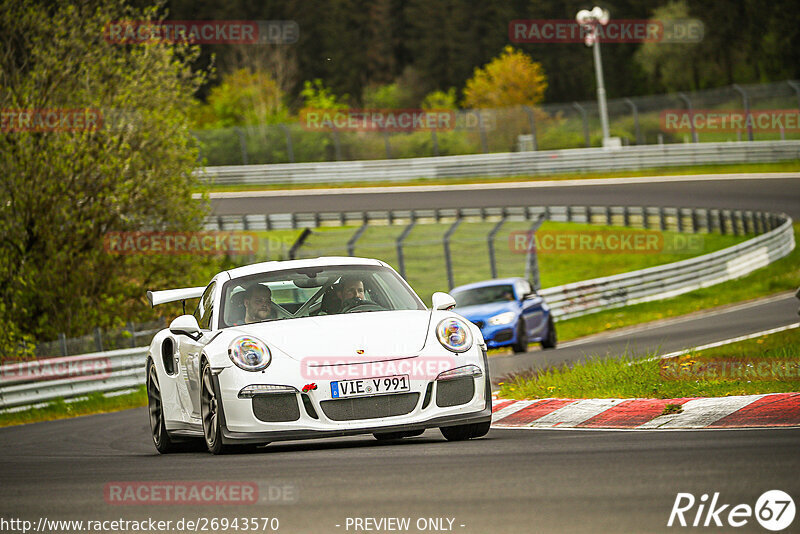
x,y
432,408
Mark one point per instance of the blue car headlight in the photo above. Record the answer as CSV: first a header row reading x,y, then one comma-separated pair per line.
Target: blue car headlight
x,y
454,335
249,353
502,318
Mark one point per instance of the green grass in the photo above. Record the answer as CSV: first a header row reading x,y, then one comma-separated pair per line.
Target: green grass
x,y
58,409
625,378
785,166
779,276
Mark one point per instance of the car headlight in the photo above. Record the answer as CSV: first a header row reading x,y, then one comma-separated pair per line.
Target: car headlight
x,y
249,353
454,335
502,318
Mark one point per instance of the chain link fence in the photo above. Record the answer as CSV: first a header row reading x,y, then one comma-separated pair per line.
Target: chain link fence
x,y
636,121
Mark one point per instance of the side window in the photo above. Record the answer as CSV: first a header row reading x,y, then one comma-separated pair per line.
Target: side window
x,y
203,311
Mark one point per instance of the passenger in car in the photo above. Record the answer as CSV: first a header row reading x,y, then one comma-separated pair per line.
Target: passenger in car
x,y
258,305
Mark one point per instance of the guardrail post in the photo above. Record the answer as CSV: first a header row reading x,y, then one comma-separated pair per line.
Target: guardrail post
x,y
694,221
132,330
337,145
98,339
447,260
299,243
662,223
626,216
289,147
796,86
531,257
62,341
747,218
482,131
688,102
609,216
721,217
569,213
636,129
386,145
709,222
679,213
242,143
490,243
746,105
401,264
435,140
532,122
585,123
351,243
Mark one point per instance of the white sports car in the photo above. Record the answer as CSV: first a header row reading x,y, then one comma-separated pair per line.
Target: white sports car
x,y
314,348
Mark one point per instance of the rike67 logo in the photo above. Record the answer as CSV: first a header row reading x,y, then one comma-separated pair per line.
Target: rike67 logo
x,y
774,510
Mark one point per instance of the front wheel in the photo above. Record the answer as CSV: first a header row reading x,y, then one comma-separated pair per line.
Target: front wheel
x,y
463,432
550,341
210,412
521,344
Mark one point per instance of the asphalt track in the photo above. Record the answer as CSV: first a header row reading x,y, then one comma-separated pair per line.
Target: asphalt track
x,y
510,481
770,194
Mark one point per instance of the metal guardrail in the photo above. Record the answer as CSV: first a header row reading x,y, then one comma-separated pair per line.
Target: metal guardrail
x,y
27,383
506,164
665,281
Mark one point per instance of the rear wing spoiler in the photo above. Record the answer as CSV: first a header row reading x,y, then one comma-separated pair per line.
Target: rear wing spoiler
x,y
172,295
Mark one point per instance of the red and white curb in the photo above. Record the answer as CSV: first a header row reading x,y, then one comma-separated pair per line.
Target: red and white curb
x,y
748,411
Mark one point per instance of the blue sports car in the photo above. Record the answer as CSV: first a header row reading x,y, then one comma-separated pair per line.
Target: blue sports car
x,y
508,311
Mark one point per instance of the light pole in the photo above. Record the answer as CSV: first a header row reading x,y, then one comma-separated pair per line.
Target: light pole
x,y
589,20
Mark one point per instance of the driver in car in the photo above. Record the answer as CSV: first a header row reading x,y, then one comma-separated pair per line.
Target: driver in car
x,y
351,292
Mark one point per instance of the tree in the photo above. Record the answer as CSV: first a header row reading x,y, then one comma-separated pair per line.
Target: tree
x,y
244,98
673,66
511,79
62,191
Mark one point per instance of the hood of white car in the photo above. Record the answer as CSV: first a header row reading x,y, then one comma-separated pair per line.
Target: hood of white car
x,y
368,335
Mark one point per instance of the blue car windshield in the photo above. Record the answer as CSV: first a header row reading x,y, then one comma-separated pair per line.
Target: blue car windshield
x,y
484,295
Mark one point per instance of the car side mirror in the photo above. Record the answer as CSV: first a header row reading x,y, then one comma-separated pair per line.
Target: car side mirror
x,y
186,325
443,301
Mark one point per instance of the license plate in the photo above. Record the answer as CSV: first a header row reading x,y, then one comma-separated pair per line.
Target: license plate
x,y
369,386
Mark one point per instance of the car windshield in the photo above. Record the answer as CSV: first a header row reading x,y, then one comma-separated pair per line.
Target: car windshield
x,y
483,295
314,291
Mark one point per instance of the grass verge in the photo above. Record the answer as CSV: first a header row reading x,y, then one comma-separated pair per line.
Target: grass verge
x,y
779,276
783,166
768,364
59,409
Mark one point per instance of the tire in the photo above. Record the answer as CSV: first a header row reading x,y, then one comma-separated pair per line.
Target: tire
x,y
456,433
551,340
158,429
210,411
391,436
464,432
480,429
521,344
